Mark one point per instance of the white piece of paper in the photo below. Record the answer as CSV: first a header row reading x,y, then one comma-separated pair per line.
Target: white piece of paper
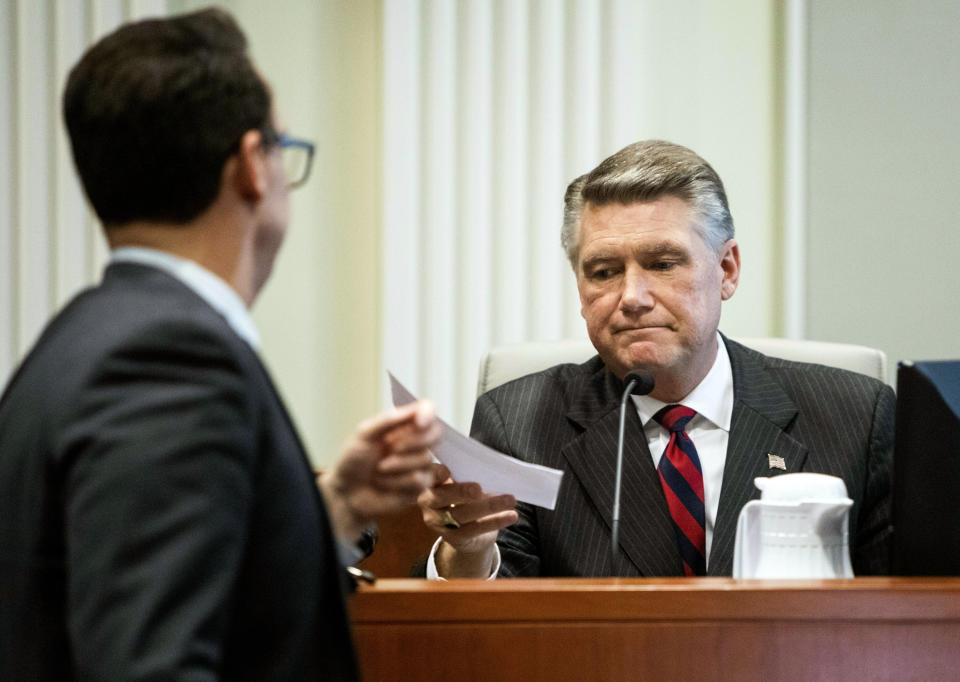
x,y
472,461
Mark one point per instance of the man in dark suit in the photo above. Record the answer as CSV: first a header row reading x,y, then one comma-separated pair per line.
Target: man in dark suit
x,y
650,238
159,518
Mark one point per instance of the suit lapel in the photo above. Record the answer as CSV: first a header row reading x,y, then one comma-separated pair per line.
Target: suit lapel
x,y
646,532
761,413
287,421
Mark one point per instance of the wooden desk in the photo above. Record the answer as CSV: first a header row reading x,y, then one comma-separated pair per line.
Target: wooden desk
x,y
659,629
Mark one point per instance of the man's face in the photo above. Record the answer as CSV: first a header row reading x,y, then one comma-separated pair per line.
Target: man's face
x,y
651,288
274,210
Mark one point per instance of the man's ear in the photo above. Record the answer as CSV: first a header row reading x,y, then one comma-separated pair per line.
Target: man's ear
x,y
250,171
730,264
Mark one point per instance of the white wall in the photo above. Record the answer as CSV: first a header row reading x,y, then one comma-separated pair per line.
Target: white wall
x,y
700,72
881,238
884,205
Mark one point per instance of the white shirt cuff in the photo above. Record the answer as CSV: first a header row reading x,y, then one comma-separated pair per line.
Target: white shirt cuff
x,y
432,564
349,555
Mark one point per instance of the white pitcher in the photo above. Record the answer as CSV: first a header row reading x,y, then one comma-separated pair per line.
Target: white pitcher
x,y
797,529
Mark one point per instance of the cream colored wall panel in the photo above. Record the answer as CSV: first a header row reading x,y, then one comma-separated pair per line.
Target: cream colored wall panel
x,y
795,169
548,273
475,181
403,332
72,221
439,155
625,87
511,190
32,133
344,115
8,289
141,9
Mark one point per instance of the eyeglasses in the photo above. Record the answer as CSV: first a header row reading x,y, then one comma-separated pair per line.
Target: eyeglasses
x,y
297,156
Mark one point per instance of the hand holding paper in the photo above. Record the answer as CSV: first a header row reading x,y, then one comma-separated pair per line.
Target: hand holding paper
x,y
470,460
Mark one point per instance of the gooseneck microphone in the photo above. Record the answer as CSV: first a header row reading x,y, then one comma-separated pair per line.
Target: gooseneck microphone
x,y
637,382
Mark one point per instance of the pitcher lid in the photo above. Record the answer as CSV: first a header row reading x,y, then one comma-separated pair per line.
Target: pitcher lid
x,y
800,486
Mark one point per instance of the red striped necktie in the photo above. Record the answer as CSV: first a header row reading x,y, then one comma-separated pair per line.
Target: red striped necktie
x,y
682,480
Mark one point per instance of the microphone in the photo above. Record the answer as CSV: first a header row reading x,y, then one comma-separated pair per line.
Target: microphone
x,y
637,382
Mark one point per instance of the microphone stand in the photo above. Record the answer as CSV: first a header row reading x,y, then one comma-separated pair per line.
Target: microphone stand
x,y
638,383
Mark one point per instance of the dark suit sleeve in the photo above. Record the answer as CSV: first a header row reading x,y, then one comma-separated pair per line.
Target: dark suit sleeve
x,y
156,463
519,544
874,531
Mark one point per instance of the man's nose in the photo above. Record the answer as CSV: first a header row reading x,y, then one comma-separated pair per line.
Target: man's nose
x,y
636,294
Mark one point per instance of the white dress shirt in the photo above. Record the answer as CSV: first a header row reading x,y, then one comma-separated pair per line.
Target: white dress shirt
x,y
709,430
712,399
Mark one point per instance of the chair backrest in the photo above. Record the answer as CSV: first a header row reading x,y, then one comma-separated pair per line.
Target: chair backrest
x,y
505,363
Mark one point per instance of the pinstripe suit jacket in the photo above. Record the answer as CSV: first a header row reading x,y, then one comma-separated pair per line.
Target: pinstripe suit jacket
x,y
819,419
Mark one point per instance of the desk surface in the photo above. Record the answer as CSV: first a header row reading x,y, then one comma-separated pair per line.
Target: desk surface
x,y
702,628
410,600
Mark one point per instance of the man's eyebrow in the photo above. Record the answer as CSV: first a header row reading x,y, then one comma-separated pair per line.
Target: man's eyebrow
x,y
659,249
600,257
602,254
664,248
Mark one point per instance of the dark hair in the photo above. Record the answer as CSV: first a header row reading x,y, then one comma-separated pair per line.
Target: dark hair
x,y
156,108
646,171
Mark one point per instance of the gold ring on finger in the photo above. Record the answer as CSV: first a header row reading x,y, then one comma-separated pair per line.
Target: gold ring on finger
x,y
448,520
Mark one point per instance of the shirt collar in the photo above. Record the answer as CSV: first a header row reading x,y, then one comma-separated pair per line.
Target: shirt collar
x,y
207,285
712,398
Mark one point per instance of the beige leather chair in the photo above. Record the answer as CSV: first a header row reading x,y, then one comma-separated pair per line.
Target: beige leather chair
x,y
504,363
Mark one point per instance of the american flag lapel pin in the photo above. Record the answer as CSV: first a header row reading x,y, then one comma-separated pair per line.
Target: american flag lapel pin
x,y
776,462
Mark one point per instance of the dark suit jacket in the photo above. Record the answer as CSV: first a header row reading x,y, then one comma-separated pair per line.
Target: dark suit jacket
x,y
158,516
819,419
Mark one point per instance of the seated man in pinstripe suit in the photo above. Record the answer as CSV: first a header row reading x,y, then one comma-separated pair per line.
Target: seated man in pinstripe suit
x,y
650,238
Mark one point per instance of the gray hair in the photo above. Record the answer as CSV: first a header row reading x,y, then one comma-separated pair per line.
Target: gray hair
x,y
645,171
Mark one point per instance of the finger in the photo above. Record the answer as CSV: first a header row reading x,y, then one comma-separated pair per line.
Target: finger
x,y
406,437
374,427
427,498
391,501
412,483
494,522
441,477
440,496
455,493
425,414
402,463
441,474
470,512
